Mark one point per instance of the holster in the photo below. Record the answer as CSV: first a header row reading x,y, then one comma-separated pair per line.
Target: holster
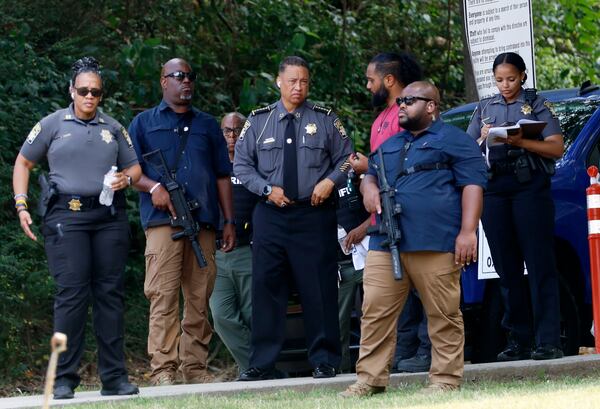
x,y
48,194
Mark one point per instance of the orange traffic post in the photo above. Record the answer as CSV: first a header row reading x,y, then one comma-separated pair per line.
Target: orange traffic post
x,y
593,205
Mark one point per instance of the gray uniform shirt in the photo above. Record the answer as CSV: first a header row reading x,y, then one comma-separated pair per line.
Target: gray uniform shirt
x,y
321,142
79,153
496,111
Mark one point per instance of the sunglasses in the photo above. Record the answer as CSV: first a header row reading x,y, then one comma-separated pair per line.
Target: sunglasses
x,y
409,100
235,131
181,75
84,91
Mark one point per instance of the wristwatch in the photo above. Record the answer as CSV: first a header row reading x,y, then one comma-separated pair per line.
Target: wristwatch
x,y
267,190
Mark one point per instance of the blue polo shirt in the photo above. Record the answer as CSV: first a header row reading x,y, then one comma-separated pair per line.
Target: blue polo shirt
x,y
431,199
204,159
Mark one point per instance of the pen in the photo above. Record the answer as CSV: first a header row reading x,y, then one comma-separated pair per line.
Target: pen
x,y
483,121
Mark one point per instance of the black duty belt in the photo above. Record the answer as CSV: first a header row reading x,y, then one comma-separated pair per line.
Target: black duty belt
x,y
78,203
503,167
302,203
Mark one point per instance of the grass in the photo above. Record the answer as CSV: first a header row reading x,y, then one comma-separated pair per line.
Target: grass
x,y
568,392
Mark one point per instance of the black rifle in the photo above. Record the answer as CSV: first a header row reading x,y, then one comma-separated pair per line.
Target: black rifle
x,y
183,207
47,193
389,222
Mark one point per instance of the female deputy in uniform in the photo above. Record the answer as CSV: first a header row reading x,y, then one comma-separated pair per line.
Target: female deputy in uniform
x,y
86,242
518,211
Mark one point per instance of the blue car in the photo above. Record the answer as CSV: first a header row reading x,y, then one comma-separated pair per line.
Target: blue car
x,y
579,114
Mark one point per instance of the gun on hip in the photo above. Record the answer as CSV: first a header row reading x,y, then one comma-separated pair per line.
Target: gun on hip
x,y
389,224
183,207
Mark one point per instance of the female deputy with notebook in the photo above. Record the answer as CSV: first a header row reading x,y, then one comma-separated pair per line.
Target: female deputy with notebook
x,y
518,211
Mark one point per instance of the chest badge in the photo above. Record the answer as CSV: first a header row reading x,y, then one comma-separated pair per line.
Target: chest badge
x,y
526,109
75,205
106,136
311,129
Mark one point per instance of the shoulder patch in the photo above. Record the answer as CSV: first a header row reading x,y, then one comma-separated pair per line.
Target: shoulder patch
x,y
550,107
338,124
261,110
127,137
321,109
35,131
244,129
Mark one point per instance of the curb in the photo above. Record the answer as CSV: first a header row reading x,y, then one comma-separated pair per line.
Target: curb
x,y
497,371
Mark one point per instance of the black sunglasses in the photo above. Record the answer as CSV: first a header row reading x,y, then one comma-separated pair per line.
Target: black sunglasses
x,y
409,100
235,131
84,91
180,75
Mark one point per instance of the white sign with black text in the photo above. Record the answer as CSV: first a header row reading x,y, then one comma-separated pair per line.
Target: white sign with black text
x,y
493,27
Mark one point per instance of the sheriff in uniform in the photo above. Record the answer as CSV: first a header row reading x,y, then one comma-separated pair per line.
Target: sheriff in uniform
x,y
517,207
86,242
293,153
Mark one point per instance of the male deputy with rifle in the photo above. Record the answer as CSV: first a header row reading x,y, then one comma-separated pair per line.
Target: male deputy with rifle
x,y
185,173
437,174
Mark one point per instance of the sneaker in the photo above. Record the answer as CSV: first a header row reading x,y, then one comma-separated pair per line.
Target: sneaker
x,y
438,387
514,352
546,352
164,379
418,363
360,389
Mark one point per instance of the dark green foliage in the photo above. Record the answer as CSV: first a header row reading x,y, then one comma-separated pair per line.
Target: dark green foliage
x,y
235,45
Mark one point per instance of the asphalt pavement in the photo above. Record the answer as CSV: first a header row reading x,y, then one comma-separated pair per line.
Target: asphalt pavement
x,y
498,371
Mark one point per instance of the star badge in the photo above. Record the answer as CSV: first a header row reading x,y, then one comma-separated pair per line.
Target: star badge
x,y
106,136
311,129
75,205
526,109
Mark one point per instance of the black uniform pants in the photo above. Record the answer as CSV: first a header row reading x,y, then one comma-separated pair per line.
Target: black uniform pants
x,y
518,219
301,242
87,253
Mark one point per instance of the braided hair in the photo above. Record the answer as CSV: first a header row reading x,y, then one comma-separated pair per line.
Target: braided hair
x,y
85,64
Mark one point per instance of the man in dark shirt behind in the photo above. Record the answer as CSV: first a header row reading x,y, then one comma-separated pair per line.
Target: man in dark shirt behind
x,y
231,301
202,168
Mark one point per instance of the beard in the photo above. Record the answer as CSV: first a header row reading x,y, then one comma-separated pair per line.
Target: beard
x,y
185,97
380,97
414,123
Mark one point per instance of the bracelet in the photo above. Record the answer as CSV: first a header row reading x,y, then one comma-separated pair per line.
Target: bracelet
x,y
21,203
22,209
229,221
153,188
23,195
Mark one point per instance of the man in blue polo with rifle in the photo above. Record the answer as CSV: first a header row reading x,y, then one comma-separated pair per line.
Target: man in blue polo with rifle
x,y
185,177
436,176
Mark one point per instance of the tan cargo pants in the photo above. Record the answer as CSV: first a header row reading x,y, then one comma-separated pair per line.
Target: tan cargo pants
x,y
171,267
437,279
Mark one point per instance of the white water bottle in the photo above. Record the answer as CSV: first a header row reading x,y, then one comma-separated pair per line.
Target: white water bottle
x,y
106,196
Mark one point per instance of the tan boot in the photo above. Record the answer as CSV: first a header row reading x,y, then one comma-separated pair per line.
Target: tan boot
x,y
438,387
360,389
164,379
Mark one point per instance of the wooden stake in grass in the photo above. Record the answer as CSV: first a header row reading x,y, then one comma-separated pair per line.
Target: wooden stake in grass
x,y
58,343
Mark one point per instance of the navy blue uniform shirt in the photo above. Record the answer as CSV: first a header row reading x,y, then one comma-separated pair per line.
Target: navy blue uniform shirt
x,y
431,199
204,159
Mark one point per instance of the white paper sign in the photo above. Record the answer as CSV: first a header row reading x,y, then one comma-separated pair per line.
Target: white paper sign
x,y
495,27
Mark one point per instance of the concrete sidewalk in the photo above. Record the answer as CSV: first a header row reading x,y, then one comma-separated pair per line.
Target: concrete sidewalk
x,y
574,365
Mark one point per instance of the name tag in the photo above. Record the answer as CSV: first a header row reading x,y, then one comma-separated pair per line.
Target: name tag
x,y
268,140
